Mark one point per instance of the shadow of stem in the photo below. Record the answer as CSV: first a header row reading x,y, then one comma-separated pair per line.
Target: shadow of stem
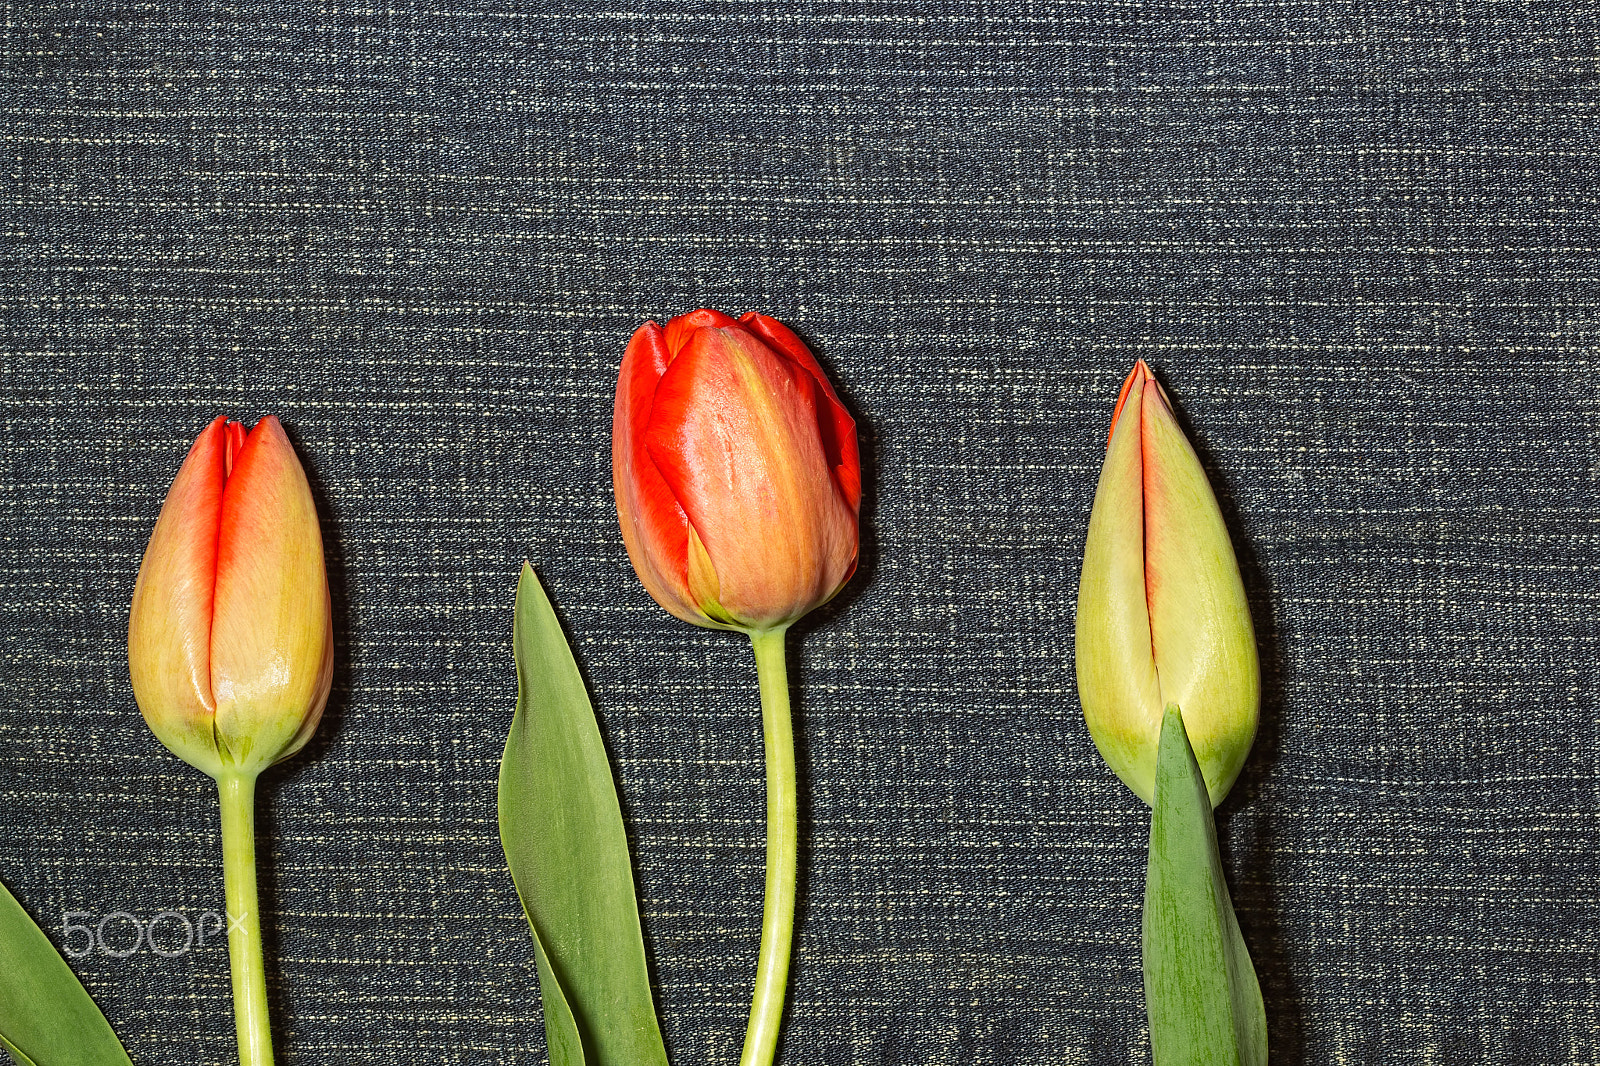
x,y
1245,828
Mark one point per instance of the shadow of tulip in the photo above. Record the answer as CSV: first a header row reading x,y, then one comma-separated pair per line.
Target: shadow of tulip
x,y
283,777
867,560
1251,881
804,822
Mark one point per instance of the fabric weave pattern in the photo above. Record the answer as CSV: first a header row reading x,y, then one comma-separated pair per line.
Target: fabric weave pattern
x,y
1357,242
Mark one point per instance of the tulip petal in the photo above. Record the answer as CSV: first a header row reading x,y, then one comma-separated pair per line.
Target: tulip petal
x,y
838,429
680,329
169,624
272,630
1199,616
654,528
1140,374
733,432
703,583
1117,680
785,342
233,436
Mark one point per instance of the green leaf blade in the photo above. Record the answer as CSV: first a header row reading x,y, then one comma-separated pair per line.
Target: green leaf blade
x,y
46,1015
561,827
1201,993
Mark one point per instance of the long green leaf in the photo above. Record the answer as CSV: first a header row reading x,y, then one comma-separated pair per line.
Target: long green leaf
x,y
46,1016
1200,989
561,827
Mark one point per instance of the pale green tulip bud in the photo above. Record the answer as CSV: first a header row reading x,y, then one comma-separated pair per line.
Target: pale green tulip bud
x,y
1162,616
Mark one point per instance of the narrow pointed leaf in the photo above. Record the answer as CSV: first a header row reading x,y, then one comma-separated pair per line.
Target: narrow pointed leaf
x,y
1201,993
560,1027
561,827
46,1016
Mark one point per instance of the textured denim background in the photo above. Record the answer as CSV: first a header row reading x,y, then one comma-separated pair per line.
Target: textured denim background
x,y
1359,241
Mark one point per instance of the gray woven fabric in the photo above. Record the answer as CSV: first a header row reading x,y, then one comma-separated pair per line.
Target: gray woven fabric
x,y
1357,241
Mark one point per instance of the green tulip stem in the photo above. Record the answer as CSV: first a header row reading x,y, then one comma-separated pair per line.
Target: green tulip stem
x,y
777,913
238,797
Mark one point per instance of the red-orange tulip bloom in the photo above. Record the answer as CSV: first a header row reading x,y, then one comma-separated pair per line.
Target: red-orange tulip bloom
x,y
736,470
230,638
